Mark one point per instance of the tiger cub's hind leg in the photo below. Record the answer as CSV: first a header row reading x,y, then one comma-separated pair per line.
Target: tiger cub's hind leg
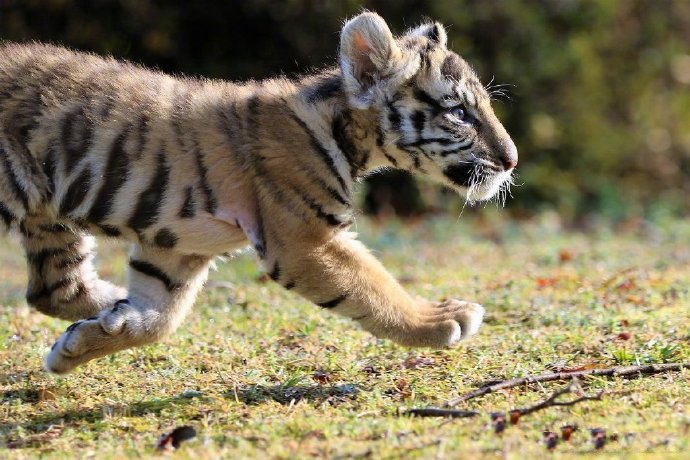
x,y
62,279
162,288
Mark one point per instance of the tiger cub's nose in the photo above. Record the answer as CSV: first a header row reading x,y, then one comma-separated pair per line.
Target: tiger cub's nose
x,y
509,159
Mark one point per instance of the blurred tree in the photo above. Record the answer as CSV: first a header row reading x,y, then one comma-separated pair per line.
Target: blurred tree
x,y
599,107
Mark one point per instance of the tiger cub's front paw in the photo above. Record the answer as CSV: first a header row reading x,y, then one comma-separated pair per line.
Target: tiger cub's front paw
x,y
468,315
447,323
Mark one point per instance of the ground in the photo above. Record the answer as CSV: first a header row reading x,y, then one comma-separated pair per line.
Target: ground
x,y
259,372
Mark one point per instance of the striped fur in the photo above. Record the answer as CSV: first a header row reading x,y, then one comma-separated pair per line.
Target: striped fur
x,y
189,169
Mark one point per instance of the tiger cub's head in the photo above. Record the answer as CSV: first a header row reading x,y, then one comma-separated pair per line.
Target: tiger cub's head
x,y
435,116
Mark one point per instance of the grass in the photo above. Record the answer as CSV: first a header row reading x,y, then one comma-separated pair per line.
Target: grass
x,y
259,372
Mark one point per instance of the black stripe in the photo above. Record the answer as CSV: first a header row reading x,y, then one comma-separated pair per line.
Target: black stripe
x,y
106,106
76,192
19,192
33,297
71,262
327,87
76,134
115,175
380,143
49,170
141,132
332,303
230,127
181,107
60,284
260,250
26,118
38,258
424,59
379,136
54,228
110,230
393,161
355,157
151,270
211,203
415,159
24,230
433,140
189,206
289,285
73,326
165,238
418,120
445,153
426,98
150,200
394,117
322,151
331,191
414,155
252,111
460,173
433,33
275,273
331,219
261,245
6,215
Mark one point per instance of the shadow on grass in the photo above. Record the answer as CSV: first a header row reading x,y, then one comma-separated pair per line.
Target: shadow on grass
x,y
44,427
285,394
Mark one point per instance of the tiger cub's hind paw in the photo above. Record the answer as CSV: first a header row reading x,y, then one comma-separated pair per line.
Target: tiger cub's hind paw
x,y
94,337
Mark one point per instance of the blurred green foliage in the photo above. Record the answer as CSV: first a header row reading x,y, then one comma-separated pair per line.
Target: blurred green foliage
x,y
600,107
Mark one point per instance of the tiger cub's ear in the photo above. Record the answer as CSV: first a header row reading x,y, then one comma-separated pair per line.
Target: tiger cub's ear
x,y
371,60
434,31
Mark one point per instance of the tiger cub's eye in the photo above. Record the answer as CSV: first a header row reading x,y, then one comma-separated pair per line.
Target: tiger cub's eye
x,y
458,112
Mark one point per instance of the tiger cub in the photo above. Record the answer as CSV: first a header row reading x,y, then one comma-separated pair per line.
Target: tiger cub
x,y
190,169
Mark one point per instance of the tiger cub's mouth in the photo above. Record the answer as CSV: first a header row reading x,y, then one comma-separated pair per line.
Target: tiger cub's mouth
x,y
480,180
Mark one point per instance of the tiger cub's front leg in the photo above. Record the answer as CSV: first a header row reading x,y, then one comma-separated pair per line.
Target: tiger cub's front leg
x,y
341,275
162,287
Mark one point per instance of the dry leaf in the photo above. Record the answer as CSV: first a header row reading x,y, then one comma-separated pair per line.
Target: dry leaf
x,y
551,439
567,431
565,255
47,394
598,437
321,376
626,285
402,386
415,362
498,419
545,282
172,440
515,416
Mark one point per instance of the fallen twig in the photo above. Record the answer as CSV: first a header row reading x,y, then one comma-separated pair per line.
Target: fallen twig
x,y
499,418
617,371
440,412
551,401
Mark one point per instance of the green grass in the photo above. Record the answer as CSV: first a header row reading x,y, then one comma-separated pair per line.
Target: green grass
x,y
259,372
